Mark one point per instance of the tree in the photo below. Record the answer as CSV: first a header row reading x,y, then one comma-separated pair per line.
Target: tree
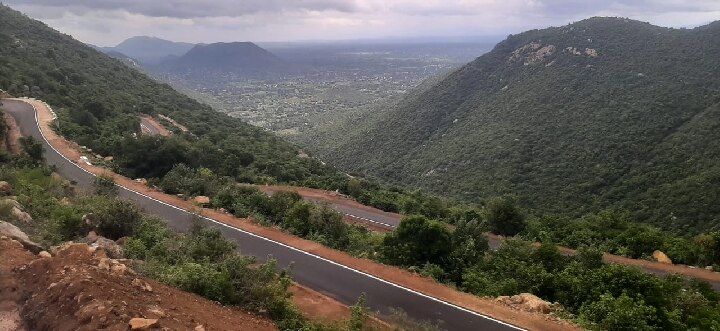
x,y
469,245
105,185
505,217
417,241
32,148
118,219
708,246
618,313
358,315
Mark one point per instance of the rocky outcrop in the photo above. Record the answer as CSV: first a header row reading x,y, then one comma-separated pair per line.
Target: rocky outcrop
x,y
21,215
142,323
17,210
532,53
661,257
111,248
13,232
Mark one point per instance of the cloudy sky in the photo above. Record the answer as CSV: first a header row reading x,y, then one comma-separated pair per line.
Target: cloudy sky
x,y
107,22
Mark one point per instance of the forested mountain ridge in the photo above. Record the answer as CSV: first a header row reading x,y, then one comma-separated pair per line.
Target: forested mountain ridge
x,y
602,113
98,100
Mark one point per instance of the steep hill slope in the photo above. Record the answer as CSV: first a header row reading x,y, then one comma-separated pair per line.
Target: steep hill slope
x,y
601,113
98,101
150,50
238,57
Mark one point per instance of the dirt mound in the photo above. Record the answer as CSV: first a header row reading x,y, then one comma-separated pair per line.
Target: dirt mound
x,y
79,288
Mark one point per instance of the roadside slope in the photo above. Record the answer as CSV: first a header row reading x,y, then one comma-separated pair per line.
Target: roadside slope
x,y
71,291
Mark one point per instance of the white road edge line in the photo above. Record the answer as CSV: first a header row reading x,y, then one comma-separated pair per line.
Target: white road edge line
x,y
370,220
282,244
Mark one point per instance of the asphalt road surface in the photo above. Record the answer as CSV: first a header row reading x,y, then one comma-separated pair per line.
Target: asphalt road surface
x,y
148,127
335,280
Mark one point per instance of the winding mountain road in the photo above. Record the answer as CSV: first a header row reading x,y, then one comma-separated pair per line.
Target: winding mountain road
x,y
334,279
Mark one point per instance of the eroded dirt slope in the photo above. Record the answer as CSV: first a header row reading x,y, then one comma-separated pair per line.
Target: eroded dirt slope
x,y
81,289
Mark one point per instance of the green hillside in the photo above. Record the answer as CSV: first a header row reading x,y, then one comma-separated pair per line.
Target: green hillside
x,y
602,113
98,100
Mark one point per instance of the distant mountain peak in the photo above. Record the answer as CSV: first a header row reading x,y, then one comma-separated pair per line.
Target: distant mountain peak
x,y
150,50
226,57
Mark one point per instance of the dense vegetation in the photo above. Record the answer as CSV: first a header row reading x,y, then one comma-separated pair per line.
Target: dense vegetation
x,y
602,113
201,261
613,232
598,296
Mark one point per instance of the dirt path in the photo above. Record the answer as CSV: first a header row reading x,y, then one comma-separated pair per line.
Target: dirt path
x,y
485,306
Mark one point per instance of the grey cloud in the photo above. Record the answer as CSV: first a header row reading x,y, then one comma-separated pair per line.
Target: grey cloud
x,y
585,7
194,8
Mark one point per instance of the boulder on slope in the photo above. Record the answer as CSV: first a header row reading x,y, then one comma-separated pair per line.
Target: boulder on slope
x,y
13,232
661,257
5,188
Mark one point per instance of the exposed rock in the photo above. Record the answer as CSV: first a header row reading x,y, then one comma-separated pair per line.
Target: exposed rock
x,y
13,232
540,55
591,52
118,268
518,53
527,302
91,237
156,311
710,268
65,201
202,200
661,257
110,247
142,323
141,181
108,158
5,188
22,216
89,219
104,264
142,285
573,51
11,201
44,255
200,328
